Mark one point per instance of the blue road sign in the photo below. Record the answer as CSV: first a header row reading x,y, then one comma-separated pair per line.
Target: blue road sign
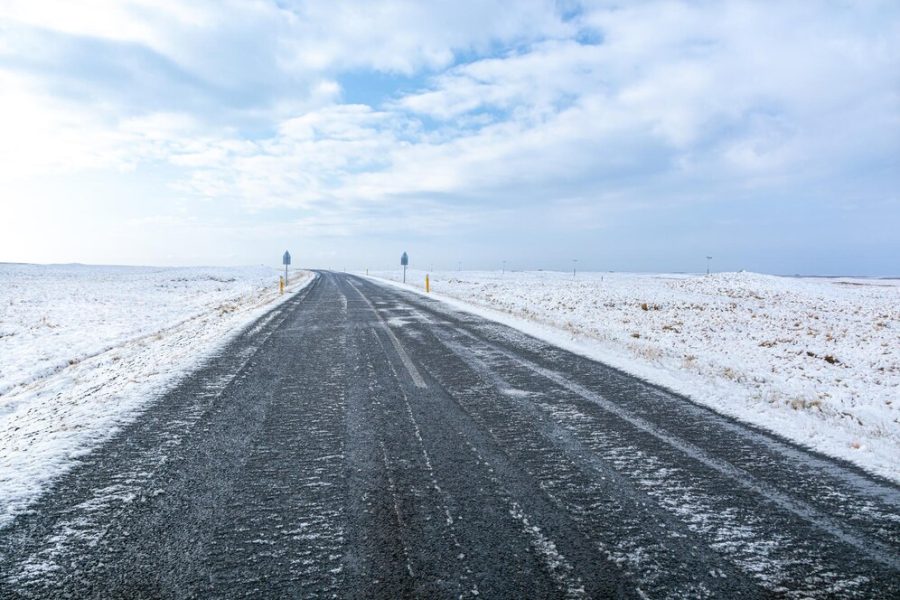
x,y
286,259
404,260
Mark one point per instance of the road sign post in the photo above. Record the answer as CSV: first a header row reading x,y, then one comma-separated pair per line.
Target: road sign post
x,y
286,261
404,261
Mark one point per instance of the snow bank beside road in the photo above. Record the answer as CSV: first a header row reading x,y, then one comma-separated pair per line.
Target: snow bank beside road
x,y
815,360
82,348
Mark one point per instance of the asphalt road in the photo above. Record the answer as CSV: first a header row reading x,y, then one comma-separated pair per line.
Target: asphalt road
x,y
362,441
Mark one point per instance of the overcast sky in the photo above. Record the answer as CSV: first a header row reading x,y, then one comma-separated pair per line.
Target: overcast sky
x,y
628,135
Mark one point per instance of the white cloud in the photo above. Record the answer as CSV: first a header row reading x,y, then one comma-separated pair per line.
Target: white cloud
x,y
317,35
42,135
405,36
520,109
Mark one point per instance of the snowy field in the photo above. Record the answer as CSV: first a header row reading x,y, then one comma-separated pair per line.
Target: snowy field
x,y
84,348
816,360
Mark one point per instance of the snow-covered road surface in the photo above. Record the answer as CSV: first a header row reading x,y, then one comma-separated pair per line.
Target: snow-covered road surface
x,y
84,348
367,441
816,360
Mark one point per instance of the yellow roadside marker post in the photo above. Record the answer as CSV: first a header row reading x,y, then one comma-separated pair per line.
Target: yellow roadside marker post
x,y
281,284
427,284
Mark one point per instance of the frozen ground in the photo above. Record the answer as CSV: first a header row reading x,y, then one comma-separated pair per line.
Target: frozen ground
x,y
83,348
815,360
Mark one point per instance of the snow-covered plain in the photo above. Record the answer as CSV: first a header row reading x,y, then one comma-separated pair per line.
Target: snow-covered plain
x,y
84,348
816,360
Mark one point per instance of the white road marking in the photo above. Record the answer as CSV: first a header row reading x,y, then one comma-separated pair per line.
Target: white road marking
x,y
404,357
431,473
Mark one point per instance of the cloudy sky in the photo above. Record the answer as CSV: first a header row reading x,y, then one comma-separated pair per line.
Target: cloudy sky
x,y
628,135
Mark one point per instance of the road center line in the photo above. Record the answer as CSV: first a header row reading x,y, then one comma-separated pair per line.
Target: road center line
x,y
404,357
445,497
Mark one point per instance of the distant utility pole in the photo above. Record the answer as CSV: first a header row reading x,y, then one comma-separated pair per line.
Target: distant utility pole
x,y
503,270
574,264
708,258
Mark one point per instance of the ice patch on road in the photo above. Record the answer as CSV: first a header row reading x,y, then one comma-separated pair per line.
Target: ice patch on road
x,y
515,393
